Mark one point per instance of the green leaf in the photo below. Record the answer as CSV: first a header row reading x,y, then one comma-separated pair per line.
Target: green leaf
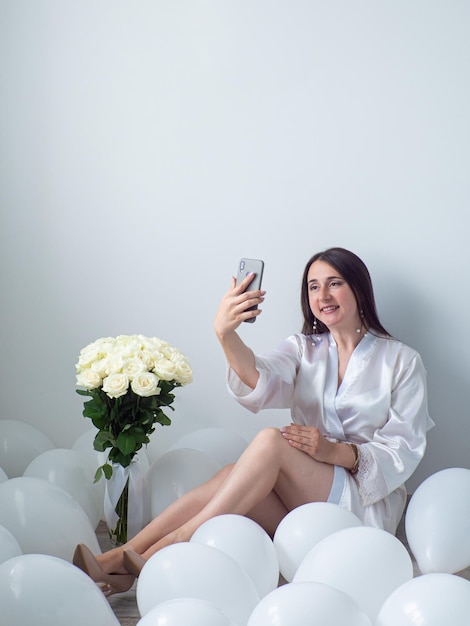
x,y
116,456
98,474
103,440
105,469
108,470
140,435
94,409
83,392
126,442
161,418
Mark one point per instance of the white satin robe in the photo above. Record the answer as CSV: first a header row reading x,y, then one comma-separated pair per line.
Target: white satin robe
x,y
381,405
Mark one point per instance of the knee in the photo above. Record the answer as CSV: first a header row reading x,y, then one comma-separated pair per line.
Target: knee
x,y
225,471
268,439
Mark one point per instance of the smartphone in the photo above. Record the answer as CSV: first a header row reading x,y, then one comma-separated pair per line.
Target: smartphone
x,y
245,267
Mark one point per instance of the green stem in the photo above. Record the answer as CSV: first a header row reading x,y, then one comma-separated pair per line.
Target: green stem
x,y
119,534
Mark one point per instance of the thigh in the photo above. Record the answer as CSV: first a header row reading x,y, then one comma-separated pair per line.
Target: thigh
x,y
302,479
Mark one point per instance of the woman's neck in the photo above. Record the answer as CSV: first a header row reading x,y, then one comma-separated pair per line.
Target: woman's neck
x,y
347,341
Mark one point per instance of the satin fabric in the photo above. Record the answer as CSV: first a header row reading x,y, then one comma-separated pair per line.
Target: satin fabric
x,y
381,405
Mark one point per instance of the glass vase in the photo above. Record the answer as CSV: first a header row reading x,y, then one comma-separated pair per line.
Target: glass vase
x,y
125,502
118,534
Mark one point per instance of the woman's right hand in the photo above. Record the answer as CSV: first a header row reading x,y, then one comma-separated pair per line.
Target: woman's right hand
x,y
233,307
232,312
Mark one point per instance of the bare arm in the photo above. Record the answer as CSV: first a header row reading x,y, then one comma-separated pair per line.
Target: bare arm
x,y
232,312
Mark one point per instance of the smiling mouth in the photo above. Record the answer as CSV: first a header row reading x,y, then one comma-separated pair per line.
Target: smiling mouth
x,y
328,309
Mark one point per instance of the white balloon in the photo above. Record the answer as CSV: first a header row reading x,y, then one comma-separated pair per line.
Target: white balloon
x,y
9,547
74,473
163,438
20,443
366,563
45,590
247,543
84,445
3,476
428,600
193,570
305,604
222,445
185,611
437,522
305,526
175,473
44,518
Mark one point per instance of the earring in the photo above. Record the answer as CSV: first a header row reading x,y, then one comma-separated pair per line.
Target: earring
x,y
314,325
361,313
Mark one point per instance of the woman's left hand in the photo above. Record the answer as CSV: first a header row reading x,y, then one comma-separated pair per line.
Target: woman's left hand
x,y
310,440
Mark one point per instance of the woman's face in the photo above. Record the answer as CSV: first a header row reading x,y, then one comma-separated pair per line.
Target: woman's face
x,y
331,299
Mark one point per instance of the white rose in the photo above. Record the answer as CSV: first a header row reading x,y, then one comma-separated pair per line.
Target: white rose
x,y
104,341
115,363
184,374
87,356
165,369
103,346
170,353
132,367
90,379
101,366
116,385
129,347
145,384
154,343
124,340
148,358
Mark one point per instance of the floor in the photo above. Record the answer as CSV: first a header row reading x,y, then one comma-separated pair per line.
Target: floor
x,y
124,605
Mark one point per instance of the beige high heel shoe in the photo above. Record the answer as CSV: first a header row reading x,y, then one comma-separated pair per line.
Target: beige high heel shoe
x,y
133,562
85,560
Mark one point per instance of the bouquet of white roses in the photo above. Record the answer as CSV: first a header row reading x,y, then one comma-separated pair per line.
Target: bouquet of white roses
x,y
129,379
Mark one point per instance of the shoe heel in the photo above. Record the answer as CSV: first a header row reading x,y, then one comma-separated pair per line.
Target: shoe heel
x,y
133,562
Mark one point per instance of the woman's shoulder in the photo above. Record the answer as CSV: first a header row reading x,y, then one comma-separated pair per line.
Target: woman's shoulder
x,y
395,346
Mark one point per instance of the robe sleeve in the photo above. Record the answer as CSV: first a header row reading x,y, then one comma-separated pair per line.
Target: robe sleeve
x,y
396,449
277,374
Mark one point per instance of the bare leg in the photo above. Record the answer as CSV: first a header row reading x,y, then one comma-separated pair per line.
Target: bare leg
x,y
270,479
269,473
269,513
174,516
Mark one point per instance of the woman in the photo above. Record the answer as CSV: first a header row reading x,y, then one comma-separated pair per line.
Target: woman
x,y
359,418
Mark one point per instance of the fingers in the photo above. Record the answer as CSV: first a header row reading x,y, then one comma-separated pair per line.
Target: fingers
x,y
246,281
297,435
243,285
241,299
305,438
297,431
235,306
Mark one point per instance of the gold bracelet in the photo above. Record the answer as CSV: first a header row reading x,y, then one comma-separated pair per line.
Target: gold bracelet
x,y
355,451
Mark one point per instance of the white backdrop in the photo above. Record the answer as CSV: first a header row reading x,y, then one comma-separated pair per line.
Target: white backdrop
x,y
147,145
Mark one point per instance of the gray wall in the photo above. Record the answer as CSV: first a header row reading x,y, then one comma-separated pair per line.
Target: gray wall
x,y
147,145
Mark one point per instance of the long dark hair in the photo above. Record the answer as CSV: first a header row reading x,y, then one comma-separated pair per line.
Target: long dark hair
x,y
355,273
